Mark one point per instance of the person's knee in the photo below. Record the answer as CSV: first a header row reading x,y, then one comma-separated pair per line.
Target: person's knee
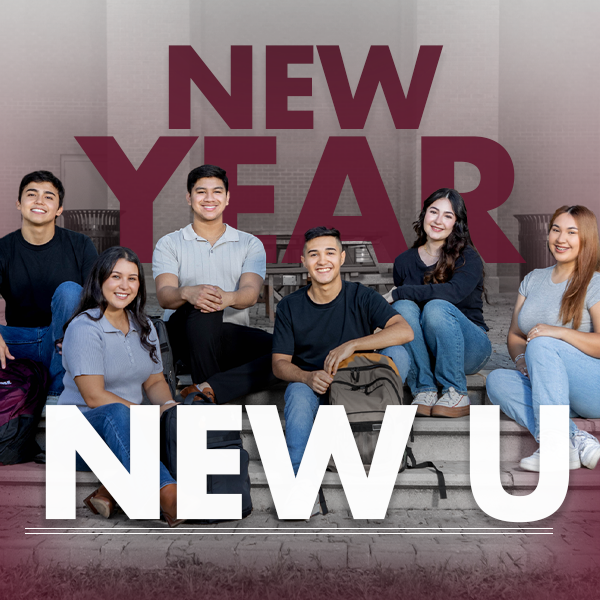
x,y
436,312
68,293
299,400
541,349
408,310
500,386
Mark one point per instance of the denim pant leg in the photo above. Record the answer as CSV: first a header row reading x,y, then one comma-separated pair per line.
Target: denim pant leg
x,y
64,302
561,374
460,347
24,342
400,357
511,391
420,375
301,406
111,422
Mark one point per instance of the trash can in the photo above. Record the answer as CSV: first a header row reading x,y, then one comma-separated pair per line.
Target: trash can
x,y
102,226
533,242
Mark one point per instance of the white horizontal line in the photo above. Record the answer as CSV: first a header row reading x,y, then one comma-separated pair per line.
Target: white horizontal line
x,y
207,532
312,528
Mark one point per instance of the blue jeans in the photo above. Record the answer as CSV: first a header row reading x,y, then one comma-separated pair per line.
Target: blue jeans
x,y
39,343
111,422
559,374
445,336
301,405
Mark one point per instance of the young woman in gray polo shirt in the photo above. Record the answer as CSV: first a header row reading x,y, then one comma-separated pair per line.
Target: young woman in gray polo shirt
x,y
111,351
554,338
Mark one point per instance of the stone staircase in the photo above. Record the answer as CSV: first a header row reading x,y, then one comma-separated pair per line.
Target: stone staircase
x,y
443,441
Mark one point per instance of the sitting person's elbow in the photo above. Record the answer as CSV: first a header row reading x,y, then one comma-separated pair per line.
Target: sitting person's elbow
x,y
91,399
275,367
403,330
161,296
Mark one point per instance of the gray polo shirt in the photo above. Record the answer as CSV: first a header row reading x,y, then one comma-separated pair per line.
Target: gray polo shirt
x,y
195,262
99,348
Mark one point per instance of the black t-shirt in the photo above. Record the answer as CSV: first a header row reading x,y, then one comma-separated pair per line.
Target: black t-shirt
x,y
464,290
29,274
308,331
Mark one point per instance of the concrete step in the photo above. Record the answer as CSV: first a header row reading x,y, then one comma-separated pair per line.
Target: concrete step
x,y
24,486
435,439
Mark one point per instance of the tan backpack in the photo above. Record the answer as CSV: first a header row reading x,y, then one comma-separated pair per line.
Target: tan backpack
x,y
365,384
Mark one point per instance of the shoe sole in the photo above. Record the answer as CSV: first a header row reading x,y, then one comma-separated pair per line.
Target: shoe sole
x,y
591,464
103,507
423,410
445,411
171,521
531,469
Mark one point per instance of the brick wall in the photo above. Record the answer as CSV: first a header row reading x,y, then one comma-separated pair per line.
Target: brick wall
x,y
53,88
549,118
521,74
139,33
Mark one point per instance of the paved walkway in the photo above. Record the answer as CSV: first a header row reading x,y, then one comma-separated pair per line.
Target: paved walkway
x,y
424,538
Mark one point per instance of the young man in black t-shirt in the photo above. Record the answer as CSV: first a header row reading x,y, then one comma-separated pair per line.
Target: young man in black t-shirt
x,y
42,269
319,326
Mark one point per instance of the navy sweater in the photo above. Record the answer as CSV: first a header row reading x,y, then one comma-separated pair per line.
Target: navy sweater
x,y
464,290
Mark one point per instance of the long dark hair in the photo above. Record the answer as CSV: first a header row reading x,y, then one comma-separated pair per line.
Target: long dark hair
x,y
92,296
454,244
573,300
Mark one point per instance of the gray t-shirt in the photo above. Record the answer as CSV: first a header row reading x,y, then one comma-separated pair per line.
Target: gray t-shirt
x,y
99,348
195,261
543,298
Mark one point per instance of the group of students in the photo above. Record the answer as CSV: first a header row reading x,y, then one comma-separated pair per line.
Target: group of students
x,y
83,316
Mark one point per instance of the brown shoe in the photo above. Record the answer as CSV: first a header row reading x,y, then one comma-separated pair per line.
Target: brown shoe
x,y
168,505
190,389
210,394
101,502
206,394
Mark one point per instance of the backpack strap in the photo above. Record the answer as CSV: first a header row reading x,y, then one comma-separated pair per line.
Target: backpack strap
x,y
324,509
428,464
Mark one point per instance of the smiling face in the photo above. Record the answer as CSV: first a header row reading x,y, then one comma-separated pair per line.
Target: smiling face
x,y
323,258
39,203
439,220
122,285
563,239
208,199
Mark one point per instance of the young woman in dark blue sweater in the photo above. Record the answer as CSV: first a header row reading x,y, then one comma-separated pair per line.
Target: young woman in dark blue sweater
x,y
440,293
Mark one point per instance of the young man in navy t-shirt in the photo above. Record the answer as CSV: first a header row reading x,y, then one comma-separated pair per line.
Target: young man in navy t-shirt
x,y
322,324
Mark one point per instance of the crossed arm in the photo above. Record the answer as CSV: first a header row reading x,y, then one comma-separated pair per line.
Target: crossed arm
x,y
207,298
588,343
396,332
91,388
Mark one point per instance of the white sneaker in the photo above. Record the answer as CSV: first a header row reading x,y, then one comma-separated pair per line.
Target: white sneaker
x,y
532,463
588,447
452,404
425,400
